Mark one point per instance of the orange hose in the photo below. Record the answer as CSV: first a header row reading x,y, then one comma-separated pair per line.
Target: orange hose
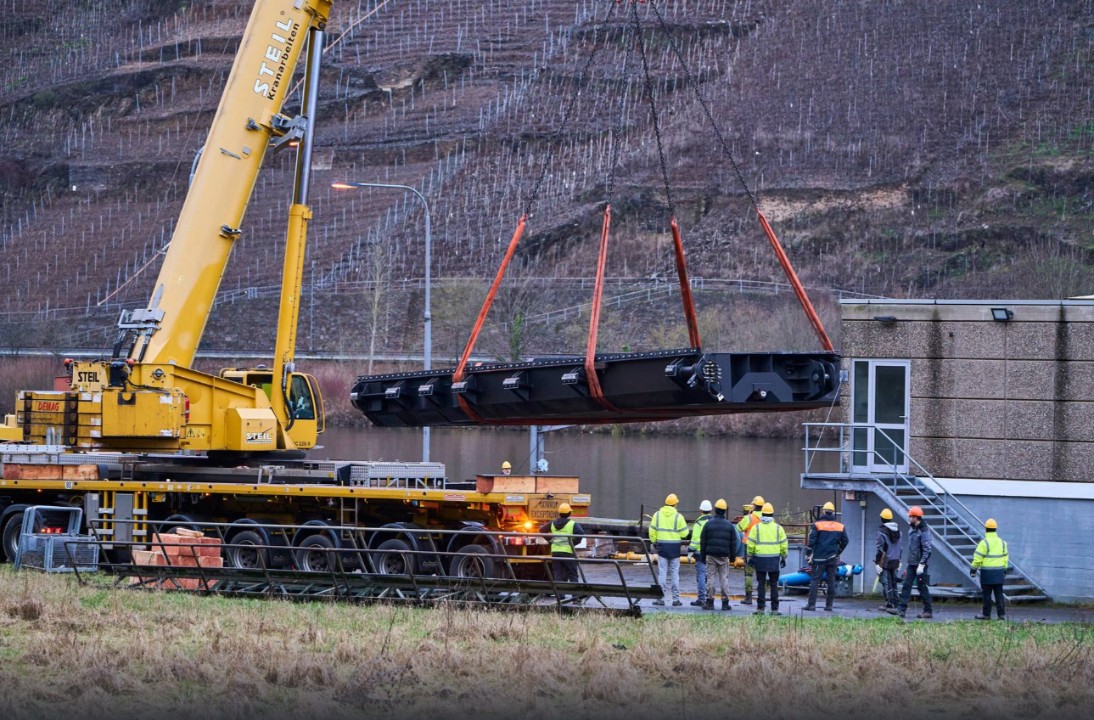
x,y
792,276
685,287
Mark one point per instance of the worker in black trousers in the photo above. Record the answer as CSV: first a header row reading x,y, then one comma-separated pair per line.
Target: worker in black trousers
x,y
827,541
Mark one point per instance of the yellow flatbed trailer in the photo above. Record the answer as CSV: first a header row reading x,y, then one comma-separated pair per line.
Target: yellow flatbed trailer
x,y
127,497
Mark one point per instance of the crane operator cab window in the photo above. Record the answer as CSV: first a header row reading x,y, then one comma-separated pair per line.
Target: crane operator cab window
x,y
300,399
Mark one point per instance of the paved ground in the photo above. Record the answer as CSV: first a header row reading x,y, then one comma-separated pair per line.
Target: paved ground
x,y
945,609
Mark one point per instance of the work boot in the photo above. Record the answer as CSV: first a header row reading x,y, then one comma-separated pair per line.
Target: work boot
x,y
698,603
659,602
895,611
828,608
776,612
725,603
981,617
884,608
810,608
676,603
925,615
748,598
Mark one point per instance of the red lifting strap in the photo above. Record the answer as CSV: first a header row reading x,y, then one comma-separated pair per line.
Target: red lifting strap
x,y
458,375
594,316
685,287
792,276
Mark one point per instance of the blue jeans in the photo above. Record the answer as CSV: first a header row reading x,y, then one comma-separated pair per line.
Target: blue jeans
x,y
701,578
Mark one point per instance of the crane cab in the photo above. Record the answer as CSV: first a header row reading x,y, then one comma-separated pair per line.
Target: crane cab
x,y
303,402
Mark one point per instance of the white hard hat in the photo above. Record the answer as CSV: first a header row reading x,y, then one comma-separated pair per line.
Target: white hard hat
x,y
705,506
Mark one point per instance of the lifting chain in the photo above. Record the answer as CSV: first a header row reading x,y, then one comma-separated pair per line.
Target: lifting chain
x,y
653,105
582,79
706,107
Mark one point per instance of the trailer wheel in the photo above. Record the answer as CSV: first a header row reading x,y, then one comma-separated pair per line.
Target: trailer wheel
x,y
9,537
471,561
392,557
239,554
316,554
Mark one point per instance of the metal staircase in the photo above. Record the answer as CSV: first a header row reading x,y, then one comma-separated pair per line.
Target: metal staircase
x,y
956,529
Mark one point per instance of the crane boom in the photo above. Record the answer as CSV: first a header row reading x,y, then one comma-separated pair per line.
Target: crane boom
x,y
170,328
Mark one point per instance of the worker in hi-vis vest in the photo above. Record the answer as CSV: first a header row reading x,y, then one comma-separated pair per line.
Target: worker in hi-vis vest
x,y
751,518
667,529
693,547
767,551
562,531
991,559
827,541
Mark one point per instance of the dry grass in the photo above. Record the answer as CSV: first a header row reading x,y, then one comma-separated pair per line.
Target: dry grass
x,y
77,652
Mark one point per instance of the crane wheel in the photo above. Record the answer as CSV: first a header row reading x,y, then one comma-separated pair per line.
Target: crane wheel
x,y
9,536
240,554
472,561
316,554
393,557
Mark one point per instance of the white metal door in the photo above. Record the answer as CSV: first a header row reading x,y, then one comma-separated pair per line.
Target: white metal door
x,y
881,403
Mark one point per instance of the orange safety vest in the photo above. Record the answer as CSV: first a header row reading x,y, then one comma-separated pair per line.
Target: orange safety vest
x,y
753,521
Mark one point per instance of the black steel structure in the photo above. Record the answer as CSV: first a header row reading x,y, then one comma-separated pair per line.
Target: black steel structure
x,y
636,387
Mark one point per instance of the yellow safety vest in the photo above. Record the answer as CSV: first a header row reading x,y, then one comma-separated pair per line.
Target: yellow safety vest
x,y
768,540
697,531
991,553
561,538
668,525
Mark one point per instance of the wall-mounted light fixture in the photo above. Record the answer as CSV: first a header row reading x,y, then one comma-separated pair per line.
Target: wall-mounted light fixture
x,y
885,318
1001,314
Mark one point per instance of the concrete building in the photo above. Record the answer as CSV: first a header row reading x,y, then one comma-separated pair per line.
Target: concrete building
x,y
970,409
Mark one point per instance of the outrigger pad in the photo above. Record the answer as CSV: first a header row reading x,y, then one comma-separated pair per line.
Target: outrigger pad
x,y
637,387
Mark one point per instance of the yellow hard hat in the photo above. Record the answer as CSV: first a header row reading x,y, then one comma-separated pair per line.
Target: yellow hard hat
x,y
758,500
721,504
564,509
506,466
886,514
672,499
768,509
747,507
990,524
829,506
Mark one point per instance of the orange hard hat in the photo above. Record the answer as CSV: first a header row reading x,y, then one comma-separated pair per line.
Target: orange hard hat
x,y
915,511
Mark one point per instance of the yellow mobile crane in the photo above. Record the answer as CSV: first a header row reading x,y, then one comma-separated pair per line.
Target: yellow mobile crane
x,y
146,397
134,440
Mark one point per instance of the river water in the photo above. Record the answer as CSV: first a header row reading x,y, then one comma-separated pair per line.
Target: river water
x,y
622,473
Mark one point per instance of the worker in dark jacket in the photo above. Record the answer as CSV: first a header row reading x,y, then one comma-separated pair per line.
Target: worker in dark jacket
x,y
915,571
887,558
827,540
718,548
991,560
562,531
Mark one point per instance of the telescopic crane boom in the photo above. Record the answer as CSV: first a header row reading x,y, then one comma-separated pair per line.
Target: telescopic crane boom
x,y
146,396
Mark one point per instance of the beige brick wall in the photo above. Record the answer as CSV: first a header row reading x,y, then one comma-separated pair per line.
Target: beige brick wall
x,y
992,400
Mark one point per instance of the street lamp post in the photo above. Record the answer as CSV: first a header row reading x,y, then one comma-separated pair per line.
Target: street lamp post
x,y
428,315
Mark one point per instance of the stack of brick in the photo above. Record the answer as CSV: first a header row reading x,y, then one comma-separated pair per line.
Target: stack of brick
x,y
182,548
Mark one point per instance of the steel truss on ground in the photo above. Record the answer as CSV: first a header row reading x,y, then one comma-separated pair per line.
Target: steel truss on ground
x,y
358,569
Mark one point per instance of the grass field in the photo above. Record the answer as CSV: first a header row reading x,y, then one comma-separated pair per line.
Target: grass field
x,y
93,651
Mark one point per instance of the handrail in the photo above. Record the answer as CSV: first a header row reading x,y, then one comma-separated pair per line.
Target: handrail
x,y
945,498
